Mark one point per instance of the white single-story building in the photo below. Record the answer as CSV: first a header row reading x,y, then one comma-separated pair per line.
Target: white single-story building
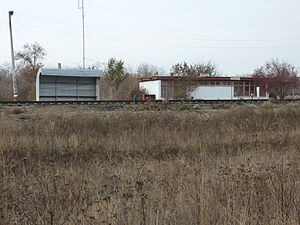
x,y
206,88
68,85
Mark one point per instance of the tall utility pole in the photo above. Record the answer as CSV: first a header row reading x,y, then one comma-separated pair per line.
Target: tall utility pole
x,y
83,32
10,13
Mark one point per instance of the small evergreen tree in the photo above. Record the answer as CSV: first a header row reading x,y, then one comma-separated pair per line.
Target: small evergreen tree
x,y
115,74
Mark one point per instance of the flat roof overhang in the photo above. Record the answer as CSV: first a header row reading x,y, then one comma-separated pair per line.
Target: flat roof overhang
x,y
170,78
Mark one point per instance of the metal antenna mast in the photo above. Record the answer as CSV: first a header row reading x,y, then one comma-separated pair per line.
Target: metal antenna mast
x,y
83,32
10,13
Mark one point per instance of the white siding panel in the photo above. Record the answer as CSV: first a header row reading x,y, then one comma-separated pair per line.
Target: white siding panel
x,y
152,87
213,93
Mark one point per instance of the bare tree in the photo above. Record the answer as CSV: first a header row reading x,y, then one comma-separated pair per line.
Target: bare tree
x,y
5,84
29,58
148,70
198,69
279,77
124,91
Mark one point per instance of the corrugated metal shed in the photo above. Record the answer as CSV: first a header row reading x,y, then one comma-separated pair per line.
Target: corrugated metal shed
x,y
68,85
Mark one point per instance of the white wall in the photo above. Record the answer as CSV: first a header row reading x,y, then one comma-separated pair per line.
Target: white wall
x,y
201,92
37,85
152,88
213,92
219,93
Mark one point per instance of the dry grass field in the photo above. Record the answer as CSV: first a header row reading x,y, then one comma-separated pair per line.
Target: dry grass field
x,y
236,165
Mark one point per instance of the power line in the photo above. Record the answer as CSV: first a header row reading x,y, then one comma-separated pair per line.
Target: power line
x,y
92,60
193,38
24,28
127,67
19,35
51,29
166,45
166,36
192,46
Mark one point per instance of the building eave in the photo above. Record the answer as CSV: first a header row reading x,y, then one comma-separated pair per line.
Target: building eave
x,y
174,78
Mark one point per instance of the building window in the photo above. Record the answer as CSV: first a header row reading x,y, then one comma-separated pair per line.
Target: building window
x,y
164,89
238,91
247,91
252,91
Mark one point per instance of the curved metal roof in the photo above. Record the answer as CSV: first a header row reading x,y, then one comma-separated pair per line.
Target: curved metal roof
x,y
71,72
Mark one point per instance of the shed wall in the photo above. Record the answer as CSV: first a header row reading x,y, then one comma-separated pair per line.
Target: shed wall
x,y
57,88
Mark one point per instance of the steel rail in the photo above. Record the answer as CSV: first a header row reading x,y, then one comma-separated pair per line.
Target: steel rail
x,y
125,102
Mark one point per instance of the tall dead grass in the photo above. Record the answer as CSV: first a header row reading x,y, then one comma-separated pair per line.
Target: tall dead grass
x,y
232,166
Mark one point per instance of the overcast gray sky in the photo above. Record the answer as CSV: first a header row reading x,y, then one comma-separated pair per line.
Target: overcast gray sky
x,y
238,35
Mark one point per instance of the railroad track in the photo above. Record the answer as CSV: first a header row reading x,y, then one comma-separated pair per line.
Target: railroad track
x,y
115,102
